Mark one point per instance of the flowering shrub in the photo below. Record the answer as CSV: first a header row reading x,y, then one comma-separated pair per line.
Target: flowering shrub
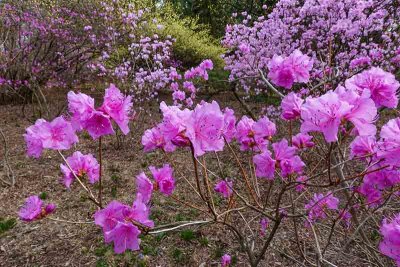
x,y
341,38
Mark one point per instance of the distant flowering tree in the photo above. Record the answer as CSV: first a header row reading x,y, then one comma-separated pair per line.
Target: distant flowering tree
x,y
74,42
338,38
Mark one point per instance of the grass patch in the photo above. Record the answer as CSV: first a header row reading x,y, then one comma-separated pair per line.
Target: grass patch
x,y
7,224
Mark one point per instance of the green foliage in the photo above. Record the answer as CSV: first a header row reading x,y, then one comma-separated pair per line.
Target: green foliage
x,y
7,224
188,235
194,42
43,196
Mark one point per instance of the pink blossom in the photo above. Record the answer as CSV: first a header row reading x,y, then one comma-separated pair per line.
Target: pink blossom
x,y
285,71
324,114
99,124
154,138
81,165
81,107
363,146
207,64
389,145
33,209
301,65
33,138
205,128
363,112
229,124
264,223
286,159
164,178
302,141
144,187
245,48
291,106
319,205
224,188
119,221
264,129
382,85
390,243
265,165
281,72
118,107
254,135
225,260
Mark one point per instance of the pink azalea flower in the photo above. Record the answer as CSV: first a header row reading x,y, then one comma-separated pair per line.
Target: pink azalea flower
x,y
205,128
319,205
390,243
254,135
302,141
81,107
264,222
389,145
164,178
118,107
207,64
363,112
291,106
174,124
98,124
324,114
119,223
33,209
144,187
382,85
33,138
286,159
363,146
301,65
265,165
264,129
281,72
229,124
82,165
154,138
58,134
225,260
245,133
224,188
286,71
125,236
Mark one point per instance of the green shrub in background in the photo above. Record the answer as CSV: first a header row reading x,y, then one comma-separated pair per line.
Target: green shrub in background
x,y
194,42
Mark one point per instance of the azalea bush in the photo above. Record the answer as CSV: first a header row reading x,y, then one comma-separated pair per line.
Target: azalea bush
x,y
317,176
341,37
64,45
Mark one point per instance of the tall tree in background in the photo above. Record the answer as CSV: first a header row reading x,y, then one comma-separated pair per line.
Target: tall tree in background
x,y
217,13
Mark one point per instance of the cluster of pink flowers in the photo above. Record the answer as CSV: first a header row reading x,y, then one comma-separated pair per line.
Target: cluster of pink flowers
x,y
390,244
285,159
123,224
80,165
97,122
286,71
203,128
34,209
320,29
253,135
224,187
319,206
187,85
60,134
57,134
